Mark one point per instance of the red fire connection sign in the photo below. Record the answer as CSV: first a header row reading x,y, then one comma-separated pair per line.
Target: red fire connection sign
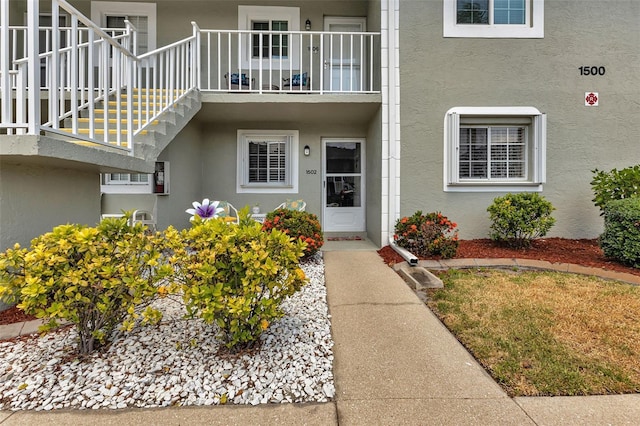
x,y
591,99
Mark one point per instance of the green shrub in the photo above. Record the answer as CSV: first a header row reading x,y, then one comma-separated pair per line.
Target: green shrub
x,y
299,225
621,237
237,275
518,219
427,235
615,185
93,277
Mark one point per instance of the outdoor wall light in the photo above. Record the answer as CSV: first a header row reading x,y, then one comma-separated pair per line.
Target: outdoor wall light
x,y
307,25
307,150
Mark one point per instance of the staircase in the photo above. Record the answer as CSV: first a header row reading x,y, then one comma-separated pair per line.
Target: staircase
x,y
148,142
94,91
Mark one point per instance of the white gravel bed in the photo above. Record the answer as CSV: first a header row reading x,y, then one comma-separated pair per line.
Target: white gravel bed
x,y
176,363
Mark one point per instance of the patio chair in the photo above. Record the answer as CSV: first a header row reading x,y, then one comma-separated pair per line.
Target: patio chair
x,y
238,82
298,205
144,217
229,213
297,82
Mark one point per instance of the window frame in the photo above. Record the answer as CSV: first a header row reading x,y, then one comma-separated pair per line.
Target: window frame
x,y
248,14
535,150
243,185
108,180
101,9
110,186
533,27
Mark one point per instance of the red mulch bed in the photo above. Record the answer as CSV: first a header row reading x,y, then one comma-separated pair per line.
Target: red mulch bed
x,y
557,250
14,314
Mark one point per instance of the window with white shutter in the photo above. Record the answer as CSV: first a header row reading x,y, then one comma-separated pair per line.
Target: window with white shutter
x,y
494,149
267,161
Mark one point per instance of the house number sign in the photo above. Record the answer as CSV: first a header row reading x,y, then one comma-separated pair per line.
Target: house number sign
x,y
592,70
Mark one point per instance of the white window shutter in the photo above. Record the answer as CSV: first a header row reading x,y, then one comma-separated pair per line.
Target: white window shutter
x,y
454,147
540,147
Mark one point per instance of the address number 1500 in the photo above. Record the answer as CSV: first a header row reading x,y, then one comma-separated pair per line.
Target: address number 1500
x,y
592,70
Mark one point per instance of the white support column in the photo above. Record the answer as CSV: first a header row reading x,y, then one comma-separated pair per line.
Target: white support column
x,y
5,84
73,84
391,112
196,72
54,71
33,79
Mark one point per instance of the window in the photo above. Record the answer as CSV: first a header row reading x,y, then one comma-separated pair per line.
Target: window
x,y
126,178
267,46
109,14
267,161
489,149
141,23
270,45
494,18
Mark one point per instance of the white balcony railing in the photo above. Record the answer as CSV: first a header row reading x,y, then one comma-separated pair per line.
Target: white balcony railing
x,y
289,61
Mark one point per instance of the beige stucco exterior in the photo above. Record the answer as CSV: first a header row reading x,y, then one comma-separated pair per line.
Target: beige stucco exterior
x,y
203,157
403,125
35,198
439,73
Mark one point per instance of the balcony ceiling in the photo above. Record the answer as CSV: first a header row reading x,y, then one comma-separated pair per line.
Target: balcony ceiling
x,y
305,108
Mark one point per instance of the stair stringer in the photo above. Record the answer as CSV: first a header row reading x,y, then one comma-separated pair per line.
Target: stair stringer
x,y
149,146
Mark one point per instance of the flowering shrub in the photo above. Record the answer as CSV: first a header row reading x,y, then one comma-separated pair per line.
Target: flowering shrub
x,y
237,275
94,277
432,234
205,210
303,226
518,219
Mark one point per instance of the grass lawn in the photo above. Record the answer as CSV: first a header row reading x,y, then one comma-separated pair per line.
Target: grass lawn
x,y
545,333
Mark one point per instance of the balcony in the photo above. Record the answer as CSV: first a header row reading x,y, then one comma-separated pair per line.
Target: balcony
x,y
289,62
88,83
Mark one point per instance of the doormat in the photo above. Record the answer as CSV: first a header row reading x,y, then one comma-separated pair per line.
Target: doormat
x,y
352,238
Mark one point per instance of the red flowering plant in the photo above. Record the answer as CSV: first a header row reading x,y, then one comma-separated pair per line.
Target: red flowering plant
x,y
427,235
301,225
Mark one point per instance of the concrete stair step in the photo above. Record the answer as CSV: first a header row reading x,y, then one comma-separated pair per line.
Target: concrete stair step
x,y
135,104
98,131
112,120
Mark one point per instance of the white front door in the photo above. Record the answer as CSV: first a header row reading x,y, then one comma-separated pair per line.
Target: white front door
x,y
343,179
344,54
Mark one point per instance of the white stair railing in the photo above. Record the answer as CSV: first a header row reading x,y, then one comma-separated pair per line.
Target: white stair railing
x,y
163,77
91,72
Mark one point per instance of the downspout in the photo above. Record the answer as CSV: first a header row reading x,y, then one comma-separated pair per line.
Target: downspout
x,y
393,108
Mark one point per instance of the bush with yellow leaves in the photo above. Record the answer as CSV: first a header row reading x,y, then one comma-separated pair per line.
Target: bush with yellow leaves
x,y
236,275
97,278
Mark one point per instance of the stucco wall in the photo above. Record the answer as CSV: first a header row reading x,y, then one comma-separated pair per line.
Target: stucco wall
x,y
117,203
34,199
186,169
374,180
438,73
175,17
219,156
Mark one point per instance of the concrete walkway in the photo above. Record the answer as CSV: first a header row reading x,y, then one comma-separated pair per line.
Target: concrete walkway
x,y
395,363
